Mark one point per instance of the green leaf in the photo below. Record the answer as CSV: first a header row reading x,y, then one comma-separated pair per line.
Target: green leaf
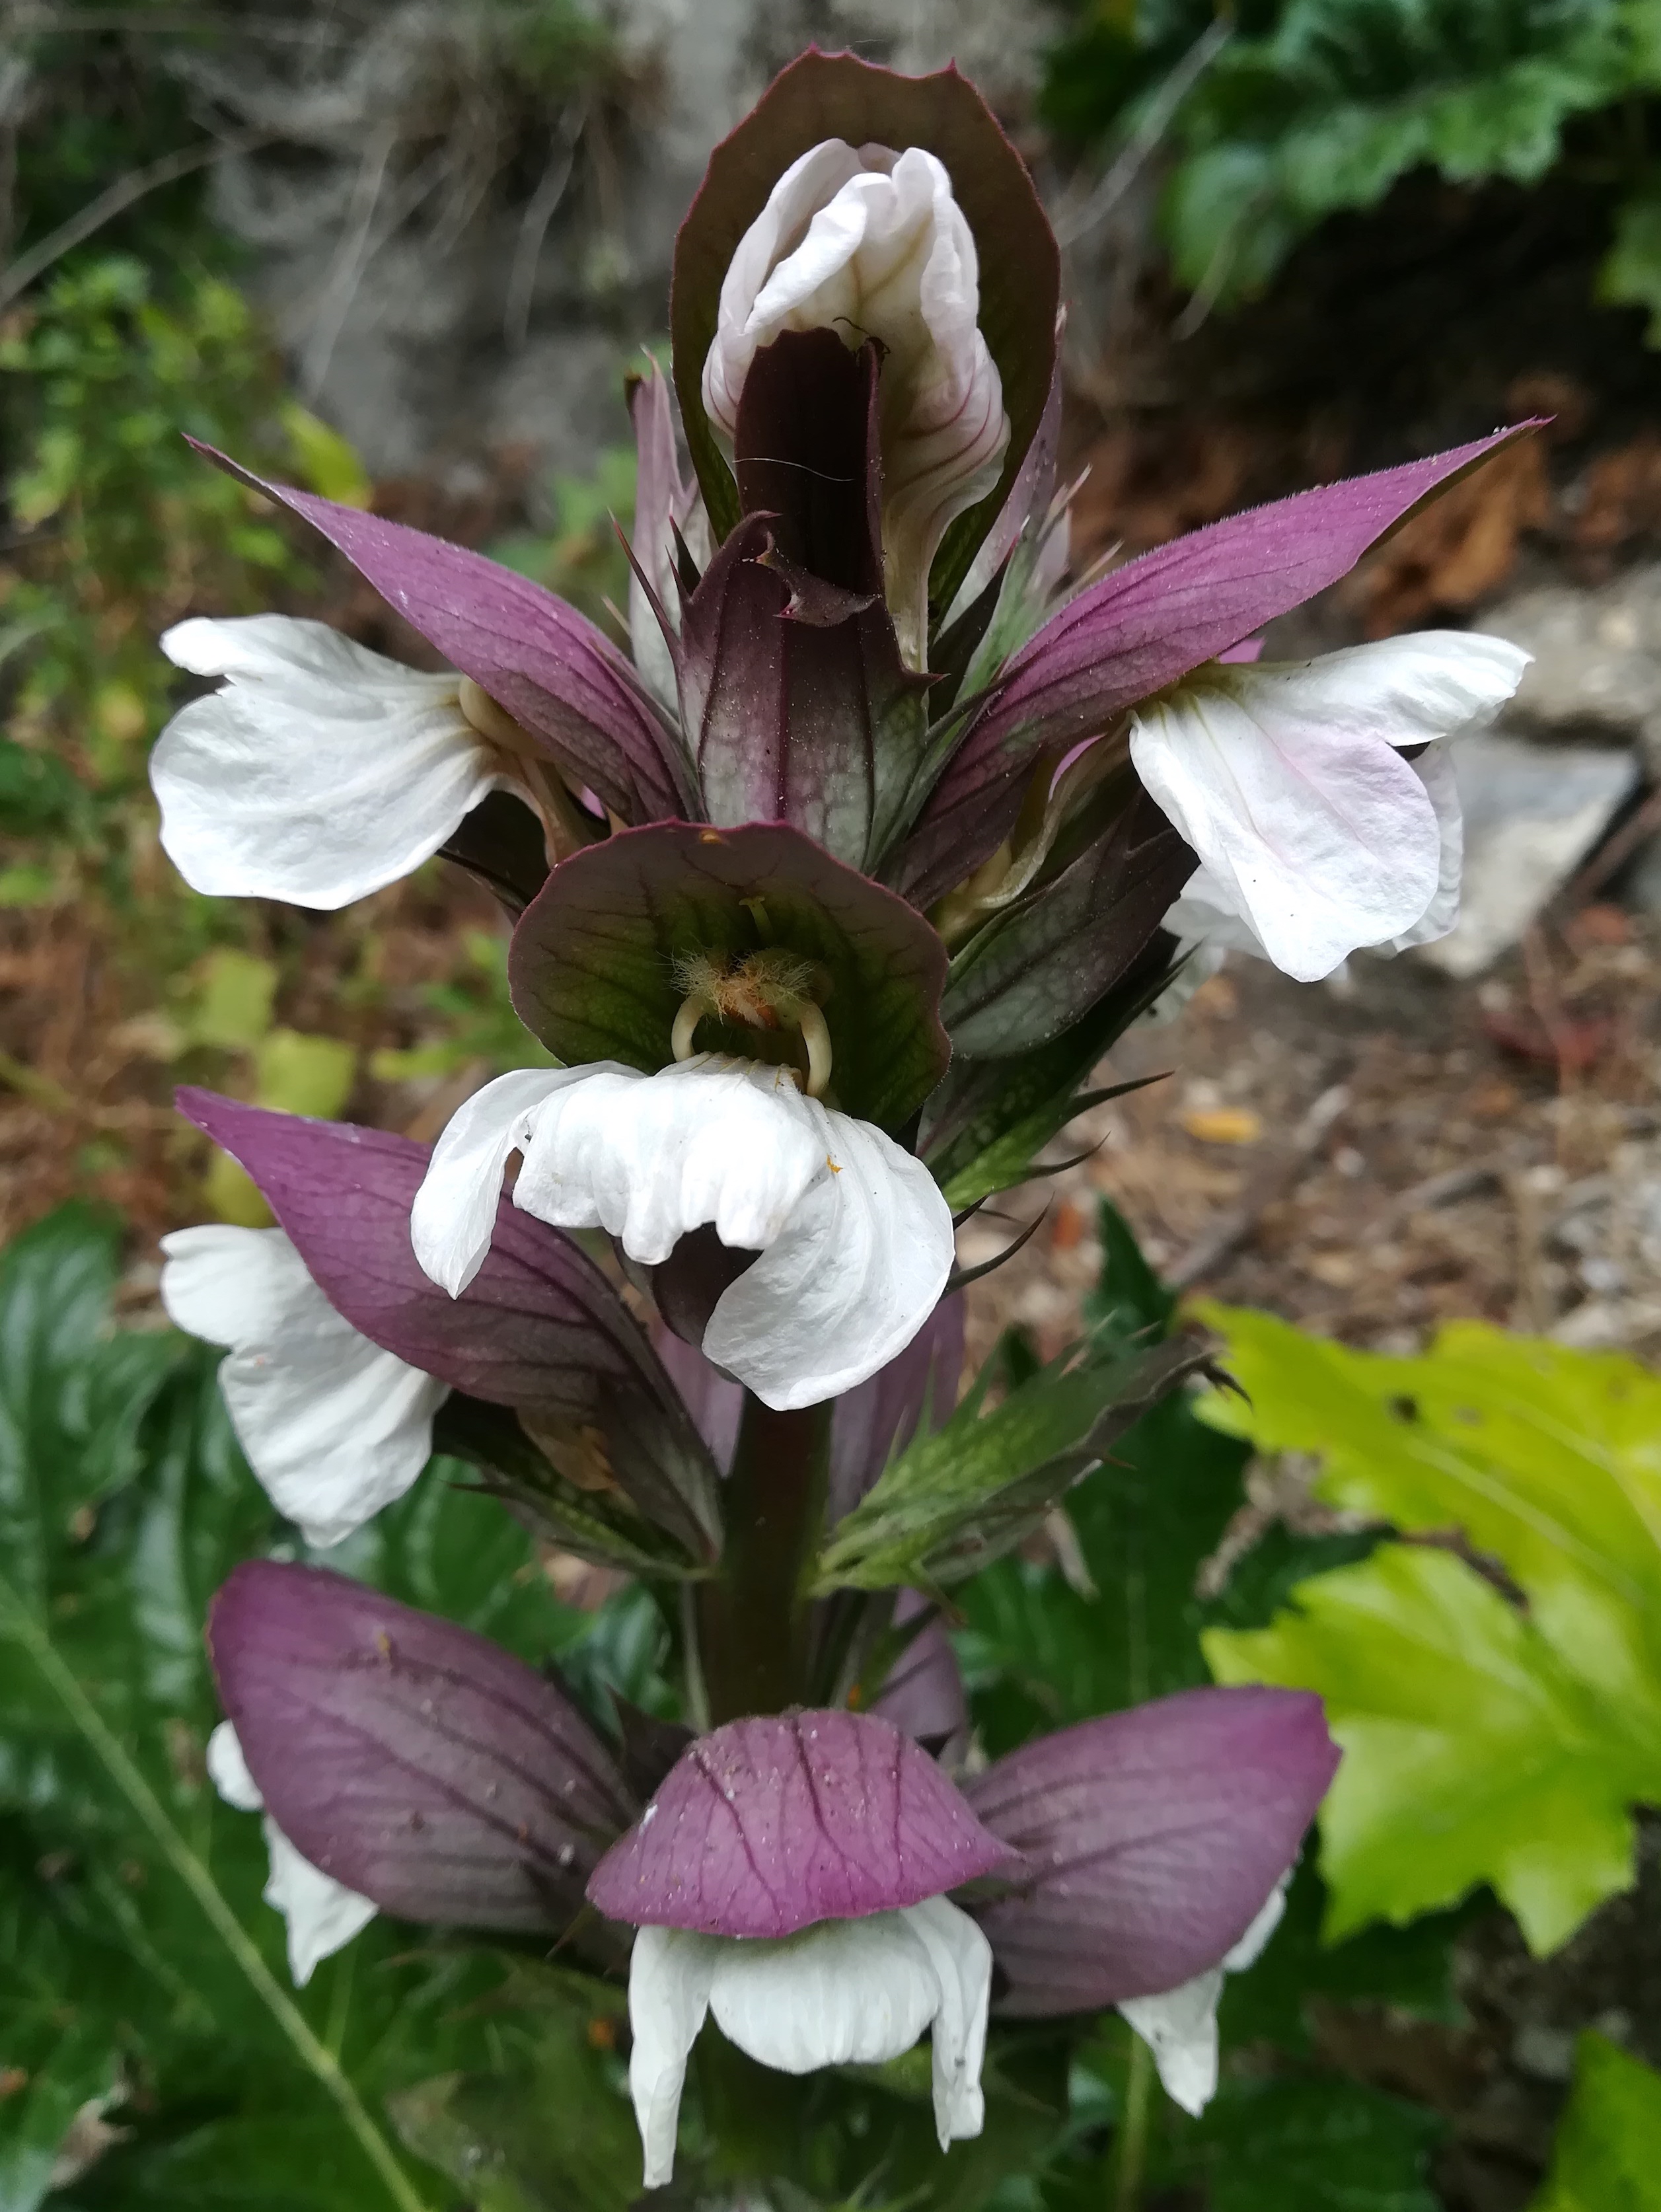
x,y
1630,274
988,1120
329,464
957,1498
1546,1457
1608,2154
1324,2145
1471,1753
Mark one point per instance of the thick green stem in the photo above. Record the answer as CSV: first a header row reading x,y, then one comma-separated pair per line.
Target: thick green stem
x,y
753,1620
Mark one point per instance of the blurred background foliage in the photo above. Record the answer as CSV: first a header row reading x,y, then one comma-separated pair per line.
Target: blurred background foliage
x,y
1278,113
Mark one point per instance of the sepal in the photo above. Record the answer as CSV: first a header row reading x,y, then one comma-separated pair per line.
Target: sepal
x,y
1143,626
767,1825
822,96
416,1763
542,662
1157,1837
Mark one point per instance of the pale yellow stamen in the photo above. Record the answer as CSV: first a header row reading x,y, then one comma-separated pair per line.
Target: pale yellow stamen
x,y
563,830
767,990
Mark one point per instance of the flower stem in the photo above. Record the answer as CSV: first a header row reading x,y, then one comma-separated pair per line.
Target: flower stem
x,y
753,1619
1131,2151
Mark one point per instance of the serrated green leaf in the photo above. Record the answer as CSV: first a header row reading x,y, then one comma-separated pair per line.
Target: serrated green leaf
x,y
959,1498
1607,2157
1483,1742
1548,1459
1471,1753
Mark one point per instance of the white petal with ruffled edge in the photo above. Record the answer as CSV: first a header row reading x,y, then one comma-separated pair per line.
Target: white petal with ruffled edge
x,y
872,243
855,1239
1179,2025
1288,781
322,1914
333,1427
841,1993
320,773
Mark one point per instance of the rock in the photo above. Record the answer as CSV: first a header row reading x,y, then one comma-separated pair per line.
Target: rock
x,y
1596,670
1532,813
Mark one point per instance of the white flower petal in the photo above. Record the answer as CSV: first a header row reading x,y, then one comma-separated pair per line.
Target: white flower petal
x,y
1287,781
857,1270
670,1972
962,1959
227,1770
842,1993
320,772
1201,919
855,1238
1434,770
648,1158
322,1914
873,243
334,1428
1179,2025
454,1213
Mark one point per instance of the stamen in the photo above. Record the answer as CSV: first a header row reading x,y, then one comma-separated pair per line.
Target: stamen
x,y
772,989
693,1009
817,1037
563,830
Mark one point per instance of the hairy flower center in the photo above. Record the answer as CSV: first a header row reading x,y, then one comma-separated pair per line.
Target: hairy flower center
x,y
767,990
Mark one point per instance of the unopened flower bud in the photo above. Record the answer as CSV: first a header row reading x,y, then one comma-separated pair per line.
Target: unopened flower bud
x,y
871,243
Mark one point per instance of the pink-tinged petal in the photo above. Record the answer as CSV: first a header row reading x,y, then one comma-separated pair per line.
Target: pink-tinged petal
x,y
1288,781
770,1824
1158,1836
1141,628
557,676
420,1766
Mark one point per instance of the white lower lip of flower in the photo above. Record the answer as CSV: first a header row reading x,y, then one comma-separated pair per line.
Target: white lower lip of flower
x,y
1179,2025
1208,927
1288,781
320,772
854,1237
842,1993
873,243
322,1914
334,1428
